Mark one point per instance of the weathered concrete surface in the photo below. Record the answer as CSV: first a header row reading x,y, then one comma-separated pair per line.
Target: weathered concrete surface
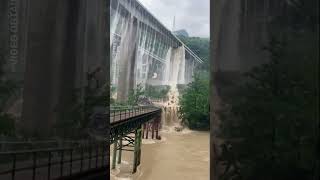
x,y
65,42
127,60
240,30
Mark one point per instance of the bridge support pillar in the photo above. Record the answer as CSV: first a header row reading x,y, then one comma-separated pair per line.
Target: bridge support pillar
x,y
153,128
143,130
137,149
147,130
120,150
157,128
114,157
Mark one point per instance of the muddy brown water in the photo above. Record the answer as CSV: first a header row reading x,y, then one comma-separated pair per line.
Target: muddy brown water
x,y
178,156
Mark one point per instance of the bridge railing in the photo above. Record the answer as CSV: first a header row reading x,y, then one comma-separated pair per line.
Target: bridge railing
x,y
122,113
11,145
52,163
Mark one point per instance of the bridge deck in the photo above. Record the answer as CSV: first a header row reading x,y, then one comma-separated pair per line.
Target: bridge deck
x,y
127,113
125,121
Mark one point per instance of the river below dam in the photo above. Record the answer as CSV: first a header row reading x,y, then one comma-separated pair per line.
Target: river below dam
x,y
177,156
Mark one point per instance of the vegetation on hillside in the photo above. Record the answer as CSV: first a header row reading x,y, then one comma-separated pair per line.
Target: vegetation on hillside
x,y
135,94
201,47
157,92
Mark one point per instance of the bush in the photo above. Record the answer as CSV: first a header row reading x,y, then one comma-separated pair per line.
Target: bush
x,y
158,92
194,103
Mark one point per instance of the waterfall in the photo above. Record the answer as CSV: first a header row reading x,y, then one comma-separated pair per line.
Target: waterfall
x,y
140,54
167,66
182,66
177,67
114,19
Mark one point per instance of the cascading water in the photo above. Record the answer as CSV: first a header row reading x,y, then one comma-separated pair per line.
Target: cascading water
x,y
136,50
182,65
176,68
167,66
135,44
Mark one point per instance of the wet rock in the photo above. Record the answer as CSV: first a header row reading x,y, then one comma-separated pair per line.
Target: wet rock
x,y
178,129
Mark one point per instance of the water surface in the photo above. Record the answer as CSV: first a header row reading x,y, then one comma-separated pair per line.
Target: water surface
x,y
178,156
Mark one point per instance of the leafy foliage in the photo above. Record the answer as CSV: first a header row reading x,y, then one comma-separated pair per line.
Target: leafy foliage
x,y
273,122
135,94
194,103
159,92
201,47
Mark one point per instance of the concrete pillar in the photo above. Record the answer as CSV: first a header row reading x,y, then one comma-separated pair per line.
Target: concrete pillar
x,y
143,130
47,37
13,28
128,50
240,29
147,129
65,40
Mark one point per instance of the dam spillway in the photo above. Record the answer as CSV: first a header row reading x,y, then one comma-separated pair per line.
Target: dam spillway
x,y
144,52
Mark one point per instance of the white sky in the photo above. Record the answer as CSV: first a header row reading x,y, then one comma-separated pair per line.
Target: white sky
x,y
192,15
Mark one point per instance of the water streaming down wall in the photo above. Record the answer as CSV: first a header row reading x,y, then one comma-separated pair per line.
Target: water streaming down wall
x,y
177,67
144,53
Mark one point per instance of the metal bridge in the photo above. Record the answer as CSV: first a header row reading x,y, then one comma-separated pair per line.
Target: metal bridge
x,y
85,159
129,126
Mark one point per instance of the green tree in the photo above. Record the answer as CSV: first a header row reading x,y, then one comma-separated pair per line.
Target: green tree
x,y
194,103
201,47
135,95
159,92
273,122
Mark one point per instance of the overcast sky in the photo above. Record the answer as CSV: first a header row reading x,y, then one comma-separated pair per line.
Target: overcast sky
x,y
192,15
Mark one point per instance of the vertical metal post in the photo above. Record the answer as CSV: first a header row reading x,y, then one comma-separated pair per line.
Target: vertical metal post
x,y
97,153
61,163
13,166
152,135
90,156
147,129
140,143
34,165
143,129
49,165
137,153
70,172
120,150
103,151
81,159
114,157
157,128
